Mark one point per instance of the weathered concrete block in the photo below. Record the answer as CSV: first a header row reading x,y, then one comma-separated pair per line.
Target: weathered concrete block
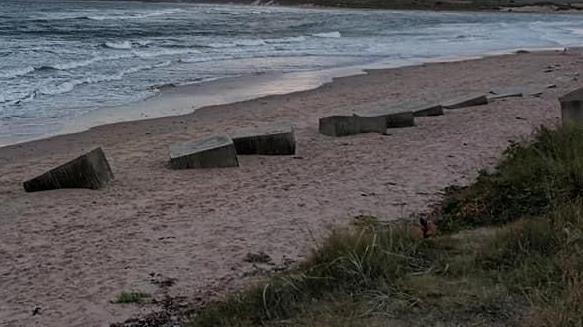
x,y
349,125
277,139
392,118
214,152
90,170
466,101
339,125
518,91
401,119
572,107
428,111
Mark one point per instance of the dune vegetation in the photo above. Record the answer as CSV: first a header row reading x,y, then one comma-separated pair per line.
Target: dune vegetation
x,y
508,250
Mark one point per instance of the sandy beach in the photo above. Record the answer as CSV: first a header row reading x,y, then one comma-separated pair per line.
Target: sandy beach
x,y
68,253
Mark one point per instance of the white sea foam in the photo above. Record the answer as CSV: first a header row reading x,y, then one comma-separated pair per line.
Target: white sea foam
x,y
191,60
219,45
60,88
135,16
249,42
195,59
15,72
141,54
328,35
238,43
391,38
90,61
19,98
124,45
292,39
576,31
144,43
70,85
164,52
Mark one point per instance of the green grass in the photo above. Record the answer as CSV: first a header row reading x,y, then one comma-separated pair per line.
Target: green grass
x,y
543,259
353,261
509,253
531,179
131,297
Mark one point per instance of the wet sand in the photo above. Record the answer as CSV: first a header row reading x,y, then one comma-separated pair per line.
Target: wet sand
x,y
70,252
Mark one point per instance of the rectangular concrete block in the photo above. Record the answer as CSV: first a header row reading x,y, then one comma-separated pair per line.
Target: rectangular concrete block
x,y
339,125
466,101
401,119
351,124
428,110
91,171
572,107
277,139
214,152
391,117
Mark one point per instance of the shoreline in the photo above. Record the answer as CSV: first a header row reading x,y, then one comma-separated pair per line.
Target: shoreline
x,y
70,252
176,101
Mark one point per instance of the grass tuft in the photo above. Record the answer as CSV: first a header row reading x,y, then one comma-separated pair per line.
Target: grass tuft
x,y
350,261
131,297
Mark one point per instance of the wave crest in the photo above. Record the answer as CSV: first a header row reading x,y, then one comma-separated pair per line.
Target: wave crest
x,y
134,16
16,72
124,45
69,86
335,35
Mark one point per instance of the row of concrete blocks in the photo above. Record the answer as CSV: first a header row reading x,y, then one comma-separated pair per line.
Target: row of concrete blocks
x,y
221,151
92,170
377,121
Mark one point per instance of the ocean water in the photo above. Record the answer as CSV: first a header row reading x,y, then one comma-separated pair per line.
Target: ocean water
x,y
60,60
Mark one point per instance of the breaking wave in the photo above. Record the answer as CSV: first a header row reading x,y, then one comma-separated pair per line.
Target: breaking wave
x,y
291,39
69,86
16,72
164,52
134,16
125,45
328,35
86,62
258,42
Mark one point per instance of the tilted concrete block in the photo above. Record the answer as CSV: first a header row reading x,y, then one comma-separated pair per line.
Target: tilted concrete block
x,y
214,152
277,139
466,101
572,107
90,170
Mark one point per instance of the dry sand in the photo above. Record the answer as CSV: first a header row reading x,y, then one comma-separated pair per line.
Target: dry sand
x,y
70,252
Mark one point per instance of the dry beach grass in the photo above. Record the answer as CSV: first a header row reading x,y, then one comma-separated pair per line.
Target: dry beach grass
x,y
69,253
